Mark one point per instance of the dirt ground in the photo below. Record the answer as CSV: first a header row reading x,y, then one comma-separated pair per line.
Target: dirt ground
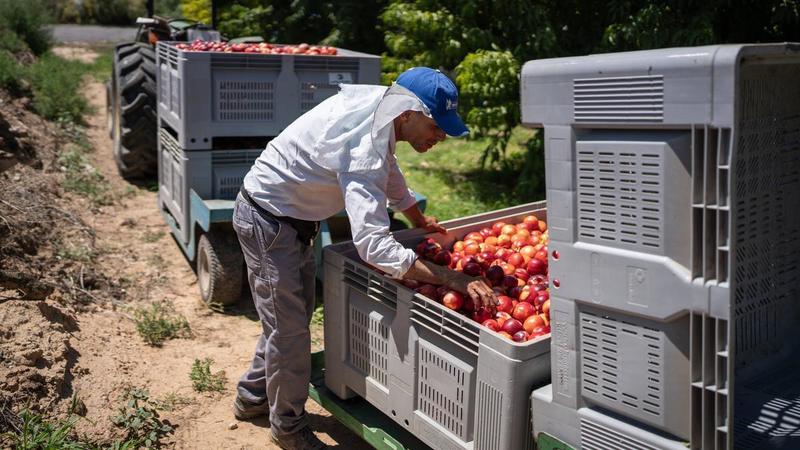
x,y
94,352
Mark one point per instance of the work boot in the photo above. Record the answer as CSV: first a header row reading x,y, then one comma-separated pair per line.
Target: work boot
x,y
243,410
300,440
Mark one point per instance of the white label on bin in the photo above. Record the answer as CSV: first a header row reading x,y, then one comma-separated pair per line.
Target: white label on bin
x,y
638,287
340,77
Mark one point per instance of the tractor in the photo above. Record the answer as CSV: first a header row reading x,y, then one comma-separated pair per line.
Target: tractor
x,y
131,92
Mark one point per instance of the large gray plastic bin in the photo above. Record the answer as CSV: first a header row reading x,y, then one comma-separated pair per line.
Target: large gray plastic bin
x,y
212,174
673,186
450,381
208,95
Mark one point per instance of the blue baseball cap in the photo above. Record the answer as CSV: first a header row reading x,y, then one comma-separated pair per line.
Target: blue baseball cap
x,y
439,94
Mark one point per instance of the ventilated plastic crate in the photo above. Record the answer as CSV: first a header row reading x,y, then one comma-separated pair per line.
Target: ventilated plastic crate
x,y
212,174
673,185
203,96
447,379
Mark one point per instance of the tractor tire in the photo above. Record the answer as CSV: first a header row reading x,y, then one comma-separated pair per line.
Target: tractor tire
x,y
220,267
110,108
134,113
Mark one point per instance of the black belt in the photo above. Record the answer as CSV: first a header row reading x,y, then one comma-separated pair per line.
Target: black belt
x,y
306,229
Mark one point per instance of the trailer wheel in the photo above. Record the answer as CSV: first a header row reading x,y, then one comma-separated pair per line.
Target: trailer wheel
x,y
219,268
134,110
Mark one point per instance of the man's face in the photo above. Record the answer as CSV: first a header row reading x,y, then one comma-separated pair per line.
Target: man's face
x,y
420,131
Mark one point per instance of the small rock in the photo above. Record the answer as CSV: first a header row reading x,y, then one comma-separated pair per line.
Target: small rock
x,y
233,426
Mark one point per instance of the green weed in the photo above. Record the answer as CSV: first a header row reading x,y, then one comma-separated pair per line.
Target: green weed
x,y
153,236
160,323
202,378
171,401
81,253
141,422
35,433
57,88
81,177
10,72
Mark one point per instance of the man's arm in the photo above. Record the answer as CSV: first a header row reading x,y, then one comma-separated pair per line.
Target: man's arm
x,y
415,216
477,288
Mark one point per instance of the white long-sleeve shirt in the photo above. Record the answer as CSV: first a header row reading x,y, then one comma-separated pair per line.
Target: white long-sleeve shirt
x,y
341,155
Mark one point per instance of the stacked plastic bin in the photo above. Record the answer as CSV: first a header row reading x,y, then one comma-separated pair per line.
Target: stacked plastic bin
x,y
217,111
442,376
673,189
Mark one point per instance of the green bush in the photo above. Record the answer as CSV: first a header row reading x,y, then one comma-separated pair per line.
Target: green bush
x,y
27,19
56,85
203,380
141,422
10,72
160,323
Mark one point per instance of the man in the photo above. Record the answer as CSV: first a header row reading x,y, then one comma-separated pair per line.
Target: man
x,y
339,154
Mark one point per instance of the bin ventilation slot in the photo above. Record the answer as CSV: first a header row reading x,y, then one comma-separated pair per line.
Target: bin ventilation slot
x,y
620,199
321,63
223,61
619,99
245,100
766,210
373,287
168,55
596,436
462,332
369,344
311,94
443,390
488,419
604,342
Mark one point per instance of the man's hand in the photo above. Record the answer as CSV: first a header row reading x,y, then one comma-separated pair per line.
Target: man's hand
x,y
431,224
419,220
477,288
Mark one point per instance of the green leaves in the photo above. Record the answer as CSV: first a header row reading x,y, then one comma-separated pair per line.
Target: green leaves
x,y
142,424
489,91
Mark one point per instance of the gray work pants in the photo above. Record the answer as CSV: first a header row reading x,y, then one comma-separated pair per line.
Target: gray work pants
x,y
281,272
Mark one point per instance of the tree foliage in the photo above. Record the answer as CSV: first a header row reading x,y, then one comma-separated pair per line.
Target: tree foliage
x,y
483,44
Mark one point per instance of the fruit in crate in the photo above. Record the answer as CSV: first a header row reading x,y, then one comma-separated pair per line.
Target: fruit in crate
x,y
513,258
257,47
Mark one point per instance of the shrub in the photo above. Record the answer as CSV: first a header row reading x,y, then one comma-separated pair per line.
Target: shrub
x,y
27,20
10,72
202,378
56,85
159,323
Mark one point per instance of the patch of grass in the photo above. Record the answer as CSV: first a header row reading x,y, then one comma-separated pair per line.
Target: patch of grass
x,y
100,68
171,401
81,253
153,236
451,177
202,378
160,323
82,177
57,88
141,422
10,72
36,433
157,261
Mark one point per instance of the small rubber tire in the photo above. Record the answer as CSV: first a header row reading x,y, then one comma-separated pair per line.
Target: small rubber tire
x,y
220,267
